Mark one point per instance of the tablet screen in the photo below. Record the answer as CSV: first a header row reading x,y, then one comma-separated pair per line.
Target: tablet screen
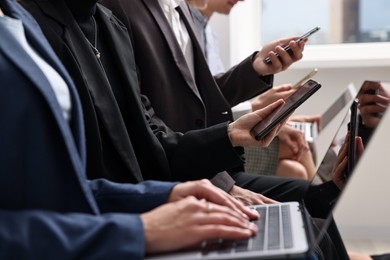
x,y
260,130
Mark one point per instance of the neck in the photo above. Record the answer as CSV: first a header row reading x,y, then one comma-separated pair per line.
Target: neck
x,y
1,13
207,12
82,9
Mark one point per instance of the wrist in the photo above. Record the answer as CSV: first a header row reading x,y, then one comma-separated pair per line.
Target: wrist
x,y
230,131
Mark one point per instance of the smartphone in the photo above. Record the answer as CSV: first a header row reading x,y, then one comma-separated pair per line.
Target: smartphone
x,y
305,78
353,132
287,47
260,130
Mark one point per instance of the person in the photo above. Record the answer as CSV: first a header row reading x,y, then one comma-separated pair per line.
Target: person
x,y
207,37
201,105
122,141
288,154
48,208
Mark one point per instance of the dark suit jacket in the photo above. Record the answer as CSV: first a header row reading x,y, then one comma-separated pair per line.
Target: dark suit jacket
x,y
181,102
47,207
127,136
175,100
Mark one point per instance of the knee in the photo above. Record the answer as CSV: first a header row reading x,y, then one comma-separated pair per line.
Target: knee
x,y
291,168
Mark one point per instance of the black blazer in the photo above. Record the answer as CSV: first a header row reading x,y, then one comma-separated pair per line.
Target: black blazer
x,y
122,145
181,102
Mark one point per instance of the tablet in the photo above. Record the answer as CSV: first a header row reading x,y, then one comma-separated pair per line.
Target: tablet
x,y
353,132
260,130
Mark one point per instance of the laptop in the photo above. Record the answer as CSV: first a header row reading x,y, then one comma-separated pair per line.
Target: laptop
x,y
362,211
311,130
284,232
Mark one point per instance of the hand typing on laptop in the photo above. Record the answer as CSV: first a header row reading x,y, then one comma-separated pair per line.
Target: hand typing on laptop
x,y
197,211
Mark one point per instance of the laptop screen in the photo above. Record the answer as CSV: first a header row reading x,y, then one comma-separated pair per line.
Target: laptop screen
x,y
369,116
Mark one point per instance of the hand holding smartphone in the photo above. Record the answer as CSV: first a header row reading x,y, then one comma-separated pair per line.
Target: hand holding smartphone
x,y
303,37
260,130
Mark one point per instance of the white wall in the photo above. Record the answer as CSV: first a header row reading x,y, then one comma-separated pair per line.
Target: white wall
x,y
239,35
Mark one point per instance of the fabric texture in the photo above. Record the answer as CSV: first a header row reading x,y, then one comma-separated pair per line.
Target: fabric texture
x,y
262,161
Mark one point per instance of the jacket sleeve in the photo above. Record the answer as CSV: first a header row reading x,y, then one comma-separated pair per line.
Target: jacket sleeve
x,y
130,198
34,234
195,154
242,82
200,153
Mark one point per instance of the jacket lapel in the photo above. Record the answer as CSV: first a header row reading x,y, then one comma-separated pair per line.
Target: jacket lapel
x,y
155,9
14,51
23,61
44,49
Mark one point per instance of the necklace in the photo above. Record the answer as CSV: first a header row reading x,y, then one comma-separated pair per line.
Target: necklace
x,y
94,47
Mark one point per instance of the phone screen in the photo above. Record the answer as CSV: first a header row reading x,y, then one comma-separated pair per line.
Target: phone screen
x,y
261,129
287,47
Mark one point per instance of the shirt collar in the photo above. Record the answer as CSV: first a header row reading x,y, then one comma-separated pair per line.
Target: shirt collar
x,y
172,3
199,17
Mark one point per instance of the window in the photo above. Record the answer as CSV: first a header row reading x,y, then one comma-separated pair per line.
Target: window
x,y
345,21
363,28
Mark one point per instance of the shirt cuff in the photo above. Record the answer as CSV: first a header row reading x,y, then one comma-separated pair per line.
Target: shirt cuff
x,y
223,181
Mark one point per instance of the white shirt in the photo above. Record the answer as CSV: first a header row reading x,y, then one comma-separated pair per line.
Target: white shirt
x,y
180,30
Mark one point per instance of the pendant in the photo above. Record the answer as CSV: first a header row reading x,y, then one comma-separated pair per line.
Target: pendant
x,y
96,51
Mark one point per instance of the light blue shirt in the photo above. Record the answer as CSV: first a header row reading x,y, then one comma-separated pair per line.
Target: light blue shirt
x,y
209,42
60,88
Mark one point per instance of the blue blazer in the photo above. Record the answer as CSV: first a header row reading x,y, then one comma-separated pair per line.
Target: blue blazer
x,y
47,207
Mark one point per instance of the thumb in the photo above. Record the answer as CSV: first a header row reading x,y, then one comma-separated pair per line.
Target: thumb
x,y
264,112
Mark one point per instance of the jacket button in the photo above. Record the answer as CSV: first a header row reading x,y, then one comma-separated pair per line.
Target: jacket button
x,y
199,123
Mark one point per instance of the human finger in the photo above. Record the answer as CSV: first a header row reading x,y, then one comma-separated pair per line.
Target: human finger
x,y
216,214
259,199
204,189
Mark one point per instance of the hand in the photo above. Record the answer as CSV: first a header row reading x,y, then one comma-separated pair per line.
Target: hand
x,y
358,256
204,189
250,198
293,143
239,131
282,62
190,221
372,105
271,95
340,166
310,119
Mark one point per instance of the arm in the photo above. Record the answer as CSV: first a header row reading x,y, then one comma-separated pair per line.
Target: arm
x,y
118,197
186,152
242,82
37,234
252,76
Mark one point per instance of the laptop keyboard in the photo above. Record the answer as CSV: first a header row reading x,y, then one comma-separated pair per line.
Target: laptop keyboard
x,y
274,232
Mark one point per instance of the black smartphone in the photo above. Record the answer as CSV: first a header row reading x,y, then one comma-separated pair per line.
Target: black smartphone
x,y
353,132
287,47
260,130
